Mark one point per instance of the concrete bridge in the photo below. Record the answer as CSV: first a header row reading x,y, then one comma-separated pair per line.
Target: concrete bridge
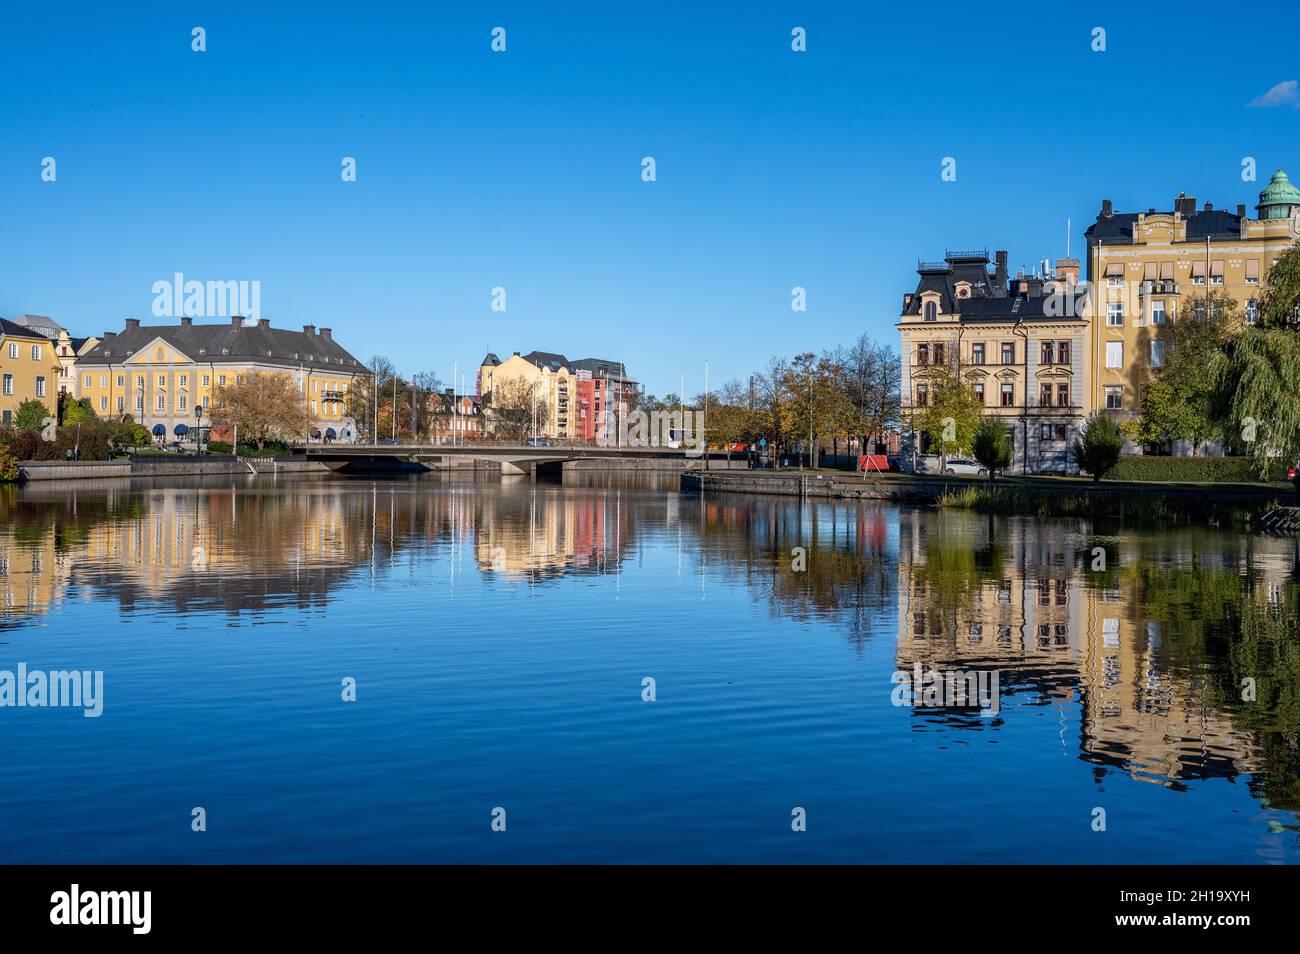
x,y
510,459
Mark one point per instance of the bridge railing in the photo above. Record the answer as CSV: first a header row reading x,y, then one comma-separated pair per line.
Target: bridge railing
x,y
489,443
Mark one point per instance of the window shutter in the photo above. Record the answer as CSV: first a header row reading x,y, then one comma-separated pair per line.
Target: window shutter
x,y
1216,269
1252,268
1149,271
1198,269
1166,271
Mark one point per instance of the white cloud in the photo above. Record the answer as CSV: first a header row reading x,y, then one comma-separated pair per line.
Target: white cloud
x,y
1283,94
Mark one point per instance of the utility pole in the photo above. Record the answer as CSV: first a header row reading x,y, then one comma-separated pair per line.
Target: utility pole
x,y
704,413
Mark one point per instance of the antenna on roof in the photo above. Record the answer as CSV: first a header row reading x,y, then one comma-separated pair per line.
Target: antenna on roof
x,y
1067,238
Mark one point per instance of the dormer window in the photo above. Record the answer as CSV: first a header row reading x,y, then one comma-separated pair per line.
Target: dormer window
x,y
931,311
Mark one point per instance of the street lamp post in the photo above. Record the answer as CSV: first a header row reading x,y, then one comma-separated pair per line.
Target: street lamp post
x,y
198,427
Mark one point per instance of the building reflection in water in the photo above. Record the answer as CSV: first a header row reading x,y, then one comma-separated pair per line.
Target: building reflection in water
x,y
1150,637
1145,656
248,545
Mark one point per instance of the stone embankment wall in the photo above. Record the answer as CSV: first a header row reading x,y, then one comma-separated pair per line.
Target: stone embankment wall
x,y
168,466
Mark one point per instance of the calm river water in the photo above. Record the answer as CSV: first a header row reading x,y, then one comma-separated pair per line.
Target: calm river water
x,y
502,637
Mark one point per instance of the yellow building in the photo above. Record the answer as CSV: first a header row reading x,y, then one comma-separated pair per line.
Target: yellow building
x,y
69,350
548,378
1144,266
159,373
29,368
1018,341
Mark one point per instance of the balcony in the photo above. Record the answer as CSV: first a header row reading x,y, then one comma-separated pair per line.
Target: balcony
x,y
332,396
1159,288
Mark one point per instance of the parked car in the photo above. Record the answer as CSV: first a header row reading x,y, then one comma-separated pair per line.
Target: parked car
x,y
963,465
1293,475
537,442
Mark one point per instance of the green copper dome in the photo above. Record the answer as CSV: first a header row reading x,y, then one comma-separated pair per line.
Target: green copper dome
x,y
1278,198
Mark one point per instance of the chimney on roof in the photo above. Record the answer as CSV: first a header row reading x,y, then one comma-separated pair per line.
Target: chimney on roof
x,y
325,333
1186,204
1241,210
516,354
133,322
1107,208
264,322
237,321
1067,270
309,329
186,321
1000,267
1208,207
110,334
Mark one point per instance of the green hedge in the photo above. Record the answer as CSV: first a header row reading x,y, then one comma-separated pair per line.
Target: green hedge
x,y
271,449
1192,470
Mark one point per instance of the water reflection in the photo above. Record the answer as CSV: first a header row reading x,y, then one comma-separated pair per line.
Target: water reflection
x,y
1180,650
1170,658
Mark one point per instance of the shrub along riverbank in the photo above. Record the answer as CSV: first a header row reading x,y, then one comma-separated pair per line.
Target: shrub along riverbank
x,y
1222,470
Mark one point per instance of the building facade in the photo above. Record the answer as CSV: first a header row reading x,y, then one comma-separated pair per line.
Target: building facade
x,y
70,350
1018,342
29,369
66,347
1144,267
561,386
159,374
455,418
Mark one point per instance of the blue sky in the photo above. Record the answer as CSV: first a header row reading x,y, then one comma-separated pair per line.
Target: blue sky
x,y
523,169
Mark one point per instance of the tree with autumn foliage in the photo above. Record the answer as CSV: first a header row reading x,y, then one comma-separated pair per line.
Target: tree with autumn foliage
x,y
263,406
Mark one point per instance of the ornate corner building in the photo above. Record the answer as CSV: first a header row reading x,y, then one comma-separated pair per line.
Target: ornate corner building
x,y
1019,342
